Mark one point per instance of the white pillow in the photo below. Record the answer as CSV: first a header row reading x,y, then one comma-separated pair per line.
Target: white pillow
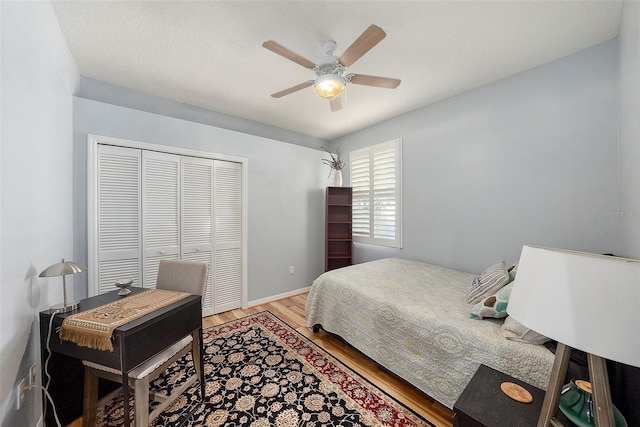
x,y
516,331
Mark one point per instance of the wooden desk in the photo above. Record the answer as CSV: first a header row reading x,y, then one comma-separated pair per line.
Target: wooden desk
x,y
133,342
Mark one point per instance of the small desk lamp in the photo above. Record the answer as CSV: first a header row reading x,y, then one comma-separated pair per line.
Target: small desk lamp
x,y
62,269
584,301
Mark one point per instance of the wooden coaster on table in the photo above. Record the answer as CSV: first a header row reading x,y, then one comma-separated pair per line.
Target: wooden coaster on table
x,y
516,392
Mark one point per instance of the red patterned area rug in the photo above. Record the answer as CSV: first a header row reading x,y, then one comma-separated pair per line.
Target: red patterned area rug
x,y
260,372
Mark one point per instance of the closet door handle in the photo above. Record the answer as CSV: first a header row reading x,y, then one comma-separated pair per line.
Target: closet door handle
x,y
198,249
161,252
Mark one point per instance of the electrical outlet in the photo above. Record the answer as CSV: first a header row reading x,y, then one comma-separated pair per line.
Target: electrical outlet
x,y
20,393
32,374
291,269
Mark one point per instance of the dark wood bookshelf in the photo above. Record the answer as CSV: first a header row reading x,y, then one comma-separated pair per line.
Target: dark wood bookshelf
x,y
338,230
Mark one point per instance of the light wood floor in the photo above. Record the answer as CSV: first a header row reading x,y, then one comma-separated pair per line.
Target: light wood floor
x,y
291,310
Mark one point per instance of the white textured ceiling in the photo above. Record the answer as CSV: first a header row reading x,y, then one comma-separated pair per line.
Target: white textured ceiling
x,y
209,53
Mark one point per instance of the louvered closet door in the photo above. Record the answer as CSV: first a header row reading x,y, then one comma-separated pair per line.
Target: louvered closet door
x,y
160,211
227,208
119,221
197,218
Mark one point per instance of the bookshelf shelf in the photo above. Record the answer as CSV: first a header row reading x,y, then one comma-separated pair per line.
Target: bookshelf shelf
x,y
339,240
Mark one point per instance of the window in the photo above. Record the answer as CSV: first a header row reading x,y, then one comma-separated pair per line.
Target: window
x,y
377,194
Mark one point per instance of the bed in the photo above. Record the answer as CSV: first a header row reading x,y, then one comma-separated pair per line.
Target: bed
x,y
413,319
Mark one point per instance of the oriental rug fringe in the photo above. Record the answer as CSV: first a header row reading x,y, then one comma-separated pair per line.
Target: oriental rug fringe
x,y
260,372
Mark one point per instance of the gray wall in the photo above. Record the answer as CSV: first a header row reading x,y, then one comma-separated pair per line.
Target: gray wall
x,y
529,159
628,212
112,94
285,190
38,80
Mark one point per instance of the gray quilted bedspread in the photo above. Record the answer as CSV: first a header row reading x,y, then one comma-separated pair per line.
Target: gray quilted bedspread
x,y
413,319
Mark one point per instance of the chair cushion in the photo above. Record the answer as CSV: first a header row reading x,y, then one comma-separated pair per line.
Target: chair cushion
x,y
150,365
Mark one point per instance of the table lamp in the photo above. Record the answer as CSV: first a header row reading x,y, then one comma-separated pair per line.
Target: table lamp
x,y
585,301
62,269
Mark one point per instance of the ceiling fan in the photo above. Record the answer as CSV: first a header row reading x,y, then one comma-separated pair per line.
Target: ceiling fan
x,y
331,76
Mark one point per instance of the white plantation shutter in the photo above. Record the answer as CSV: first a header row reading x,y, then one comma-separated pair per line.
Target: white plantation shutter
x,y
228,235
361,184
384,192
377,194
160,211
197,218
119,222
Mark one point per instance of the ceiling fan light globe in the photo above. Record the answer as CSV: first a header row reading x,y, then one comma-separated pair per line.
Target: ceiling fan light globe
x,y
329,86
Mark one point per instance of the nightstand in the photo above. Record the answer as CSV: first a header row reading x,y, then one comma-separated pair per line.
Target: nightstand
x,y
482,403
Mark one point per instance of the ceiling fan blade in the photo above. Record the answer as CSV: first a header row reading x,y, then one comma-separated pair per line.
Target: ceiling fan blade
x,y
292,89
367,40
385,82
336,104
292,56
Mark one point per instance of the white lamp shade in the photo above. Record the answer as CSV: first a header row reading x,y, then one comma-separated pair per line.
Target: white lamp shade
x,y
586,301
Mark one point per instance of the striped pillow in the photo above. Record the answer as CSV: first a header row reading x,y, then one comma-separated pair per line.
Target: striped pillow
x,y
488,282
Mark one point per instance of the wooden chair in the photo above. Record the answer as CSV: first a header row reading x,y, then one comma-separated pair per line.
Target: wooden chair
x,y
184,276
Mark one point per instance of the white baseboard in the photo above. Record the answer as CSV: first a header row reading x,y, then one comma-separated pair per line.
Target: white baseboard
x,y
277,297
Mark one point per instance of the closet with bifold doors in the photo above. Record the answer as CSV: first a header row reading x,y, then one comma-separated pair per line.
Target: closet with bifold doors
x,y
150,205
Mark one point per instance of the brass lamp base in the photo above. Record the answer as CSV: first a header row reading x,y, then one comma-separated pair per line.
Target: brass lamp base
x,y
62,308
